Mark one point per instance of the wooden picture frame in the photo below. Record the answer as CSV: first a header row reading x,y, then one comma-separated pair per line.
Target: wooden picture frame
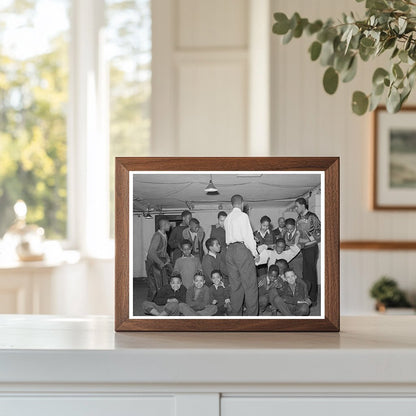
x,y
390,191
326,167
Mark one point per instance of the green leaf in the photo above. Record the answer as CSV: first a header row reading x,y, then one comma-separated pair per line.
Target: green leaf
x,y
315,50
288,37
408,42
359,103
351,71
403,56
397,71
327,53
330,80
314,27
395,52
281,27
376,4
341,61
389,43
367,42
378,89
374,101
393,101
298,30
379,75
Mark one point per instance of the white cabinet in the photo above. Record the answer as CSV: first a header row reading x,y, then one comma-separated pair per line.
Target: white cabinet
x,y
87,406
299,406
52,365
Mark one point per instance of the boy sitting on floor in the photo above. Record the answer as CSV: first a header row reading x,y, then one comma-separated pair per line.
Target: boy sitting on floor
x,y
292,298
188,264
219,294
167,299
265,283
197,299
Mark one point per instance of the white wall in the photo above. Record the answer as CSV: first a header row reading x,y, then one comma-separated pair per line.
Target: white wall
x,y
307,121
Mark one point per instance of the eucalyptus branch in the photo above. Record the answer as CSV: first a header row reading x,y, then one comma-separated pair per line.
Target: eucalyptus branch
x,y
388,26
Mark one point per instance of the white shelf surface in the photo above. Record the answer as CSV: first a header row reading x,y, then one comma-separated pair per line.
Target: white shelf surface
x,y
52,349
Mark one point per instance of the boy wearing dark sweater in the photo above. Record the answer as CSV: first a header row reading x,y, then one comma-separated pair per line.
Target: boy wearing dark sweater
x,y
292,298
188,264
212,260
167,299
219,294
197,299
266,283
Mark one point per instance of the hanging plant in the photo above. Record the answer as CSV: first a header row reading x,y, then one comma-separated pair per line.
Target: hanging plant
x,y
388,27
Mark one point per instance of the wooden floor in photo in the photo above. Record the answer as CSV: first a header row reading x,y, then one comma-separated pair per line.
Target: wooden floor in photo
x,y
140,291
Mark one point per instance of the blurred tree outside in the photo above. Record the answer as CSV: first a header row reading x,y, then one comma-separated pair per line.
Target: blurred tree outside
x,y
34,67
33,100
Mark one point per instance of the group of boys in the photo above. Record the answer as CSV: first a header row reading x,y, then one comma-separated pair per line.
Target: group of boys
x,y
218,277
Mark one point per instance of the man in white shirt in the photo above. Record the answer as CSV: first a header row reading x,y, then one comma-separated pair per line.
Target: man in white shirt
x,y
240,257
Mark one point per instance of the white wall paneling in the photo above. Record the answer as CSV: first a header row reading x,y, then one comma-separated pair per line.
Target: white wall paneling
x,y
210,77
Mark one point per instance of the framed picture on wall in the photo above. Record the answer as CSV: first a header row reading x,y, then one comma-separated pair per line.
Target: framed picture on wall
x,y
227,244
394,177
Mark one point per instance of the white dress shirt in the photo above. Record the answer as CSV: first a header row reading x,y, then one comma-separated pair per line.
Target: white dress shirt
x,y
238,229
271,256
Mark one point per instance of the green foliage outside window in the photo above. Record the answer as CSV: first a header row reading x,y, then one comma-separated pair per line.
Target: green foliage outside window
x,y
33,100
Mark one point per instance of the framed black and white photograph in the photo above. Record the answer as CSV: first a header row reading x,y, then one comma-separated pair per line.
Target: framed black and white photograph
x,y
394,178
227,244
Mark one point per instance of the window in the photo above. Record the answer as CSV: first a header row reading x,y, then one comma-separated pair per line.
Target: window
x,y
33,103
129,43
75,88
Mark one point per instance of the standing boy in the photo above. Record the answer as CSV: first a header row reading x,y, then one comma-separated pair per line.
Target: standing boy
x,y
310,235
176,236
292,237
218,232
195,234
157,259
280,230
188,264
263,236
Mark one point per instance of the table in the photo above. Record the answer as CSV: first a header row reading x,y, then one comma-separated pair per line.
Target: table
x,y
67,365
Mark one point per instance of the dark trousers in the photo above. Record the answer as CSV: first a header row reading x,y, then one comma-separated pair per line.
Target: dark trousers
x,y
243,280
310,274
156,278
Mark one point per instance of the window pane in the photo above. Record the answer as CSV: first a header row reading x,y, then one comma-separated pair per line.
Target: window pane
x,y
129,46
33,100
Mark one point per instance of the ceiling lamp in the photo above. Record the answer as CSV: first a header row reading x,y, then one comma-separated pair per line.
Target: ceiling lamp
x,y
210,187
148,215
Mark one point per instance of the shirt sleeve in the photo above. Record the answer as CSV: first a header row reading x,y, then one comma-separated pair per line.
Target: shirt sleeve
x,y
248,236
291,253
316,227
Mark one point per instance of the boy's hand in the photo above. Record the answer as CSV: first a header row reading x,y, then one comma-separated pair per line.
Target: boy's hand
x,y
214,302
227,301
256,258
173,300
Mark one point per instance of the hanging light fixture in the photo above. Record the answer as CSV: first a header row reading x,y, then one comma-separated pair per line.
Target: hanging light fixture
x,y
148,215
210,187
